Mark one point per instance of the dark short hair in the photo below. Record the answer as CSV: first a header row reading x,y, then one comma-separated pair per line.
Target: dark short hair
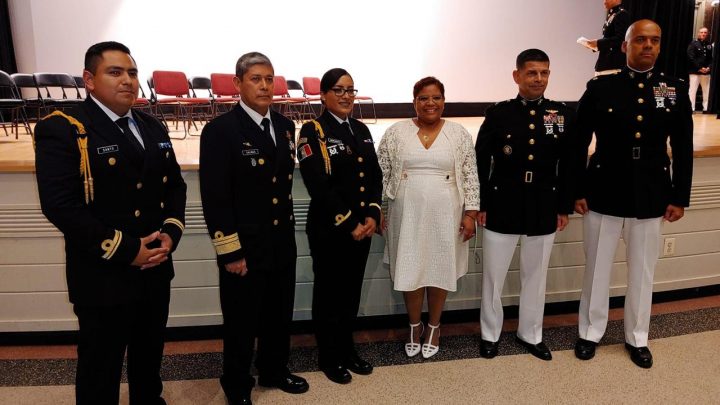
x,y
94,54
428,81
530,55
245,62
331,77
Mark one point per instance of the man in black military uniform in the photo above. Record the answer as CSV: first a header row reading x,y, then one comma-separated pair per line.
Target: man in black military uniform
x,y
247,158
628,187
108,179
611,58
523,163
699,54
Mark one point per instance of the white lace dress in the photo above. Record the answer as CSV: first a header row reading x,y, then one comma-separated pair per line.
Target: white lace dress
x,y
424,246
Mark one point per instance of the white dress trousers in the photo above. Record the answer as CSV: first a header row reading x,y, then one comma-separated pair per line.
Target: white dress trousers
x,y
704,82
642,239
498,249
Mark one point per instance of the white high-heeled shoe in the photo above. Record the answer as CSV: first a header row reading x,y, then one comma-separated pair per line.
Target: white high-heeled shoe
x,y
412,348
429,349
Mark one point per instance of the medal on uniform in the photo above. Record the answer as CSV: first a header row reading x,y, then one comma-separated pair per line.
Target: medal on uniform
x,y
561,124
662,92
253,162
549,119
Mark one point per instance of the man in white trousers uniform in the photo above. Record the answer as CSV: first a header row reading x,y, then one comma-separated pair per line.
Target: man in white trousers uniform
x,y
524,154
628,188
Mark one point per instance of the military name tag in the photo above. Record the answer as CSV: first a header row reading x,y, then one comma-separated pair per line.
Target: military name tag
x,y
164,145
107,149
335,141
250,152
370,140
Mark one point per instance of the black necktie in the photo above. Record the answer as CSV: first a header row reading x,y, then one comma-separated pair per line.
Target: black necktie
x,y
266,129
346,127
124,125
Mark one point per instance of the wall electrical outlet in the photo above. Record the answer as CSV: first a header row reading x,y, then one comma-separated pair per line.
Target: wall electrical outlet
x,y
669,247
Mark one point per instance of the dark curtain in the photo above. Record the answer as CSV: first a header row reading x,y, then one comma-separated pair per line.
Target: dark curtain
x,y
675,18
7,51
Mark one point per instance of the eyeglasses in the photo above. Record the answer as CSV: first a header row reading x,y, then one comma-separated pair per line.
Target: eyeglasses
x,y
340,91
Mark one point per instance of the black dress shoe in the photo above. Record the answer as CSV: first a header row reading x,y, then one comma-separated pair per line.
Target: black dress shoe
x,y
585,349
289,383
538,350
337,374
488,349
358,365
242,399
641,356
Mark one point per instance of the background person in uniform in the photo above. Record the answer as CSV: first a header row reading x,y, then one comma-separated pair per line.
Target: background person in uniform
x,y
341,172
523,161
699,54
627,188
430,180
108,179
247,158
611,58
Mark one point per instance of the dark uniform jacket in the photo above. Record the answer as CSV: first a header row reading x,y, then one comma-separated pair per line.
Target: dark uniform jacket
x,y
611,55
523,151
246,184
633,115
699,56
345,182
129,198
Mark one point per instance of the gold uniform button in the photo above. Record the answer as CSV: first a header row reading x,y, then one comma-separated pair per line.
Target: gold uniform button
x,y
362,189
532,112
667,110
639,118
360,159
112,161
362,203
137,213
609,110
362,174
167,155
531,142
531,126
641,85
164,179
275,222
555,136
274,179
162,204
508,136
275,200
289,176
531,157
261,161
638,135
640,101
138,186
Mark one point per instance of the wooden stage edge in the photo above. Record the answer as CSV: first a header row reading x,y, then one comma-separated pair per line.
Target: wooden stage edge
x,y
17,155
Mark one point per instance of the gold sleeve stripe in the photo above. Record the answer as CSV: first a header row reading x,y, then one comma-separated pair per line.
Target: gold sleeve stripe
x,y
111,246
175,222
376,206
226,244
339,218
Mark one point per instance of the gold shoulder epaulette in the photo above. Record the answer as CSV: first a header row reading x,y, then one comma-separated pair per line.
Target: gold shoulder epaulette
x,y
323,146
84,158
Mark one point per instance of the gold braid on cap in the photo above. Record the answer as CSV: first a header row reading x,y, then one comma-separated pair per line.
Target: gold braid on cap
x,y
323,147
84,158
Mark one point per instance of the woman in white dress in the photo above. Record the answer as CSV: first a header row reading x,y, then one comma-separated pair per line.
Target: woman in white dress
x,y
430,181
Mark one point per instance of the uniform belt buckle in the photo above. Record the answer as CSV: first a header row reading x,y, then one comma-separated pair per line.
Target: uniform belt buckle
x,y
528,177
636,153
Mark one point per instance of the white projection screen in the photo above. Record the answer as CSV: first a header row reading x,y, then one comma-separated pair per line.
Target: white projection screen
x,y
386,45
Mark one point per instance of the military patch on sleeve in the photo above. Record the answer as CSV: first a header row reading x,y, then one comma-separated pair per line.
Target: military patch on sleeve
x,y
304,152
302,140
